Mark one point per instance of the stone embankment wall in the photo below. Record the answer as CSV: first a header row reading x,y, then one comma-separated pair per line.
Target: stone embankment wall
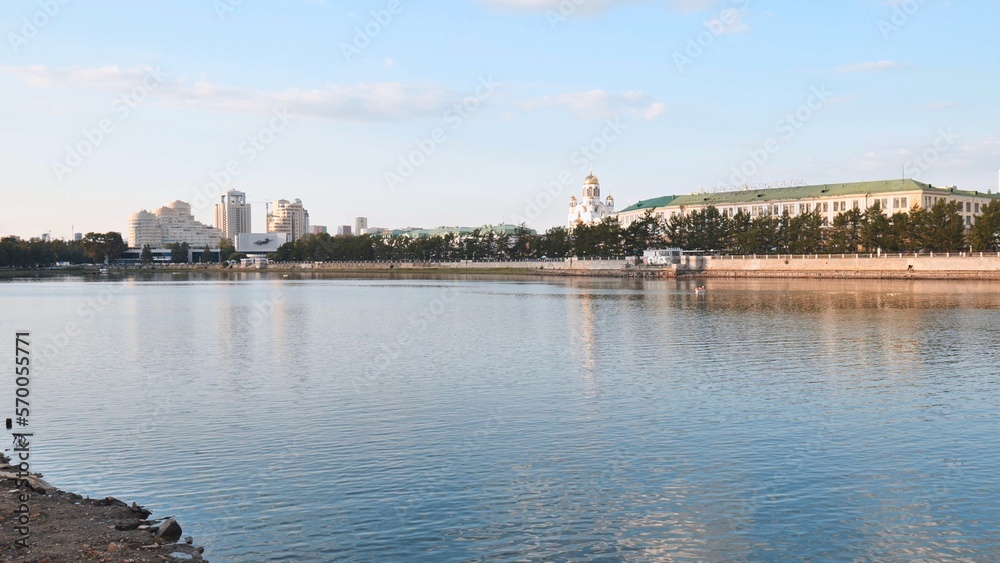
x,y
859,266
574,264
941,266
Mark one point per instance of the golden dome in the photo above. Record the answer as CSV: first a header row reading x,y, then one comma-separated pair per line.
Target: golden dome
x,y
591,179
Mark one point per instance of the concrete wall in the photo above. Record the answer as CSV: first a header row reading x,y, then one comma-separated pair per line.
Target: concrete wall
x,y
954,266
555,265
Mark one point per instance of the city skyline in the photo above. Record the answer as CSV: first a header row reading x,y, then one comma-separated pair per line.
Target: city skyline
x,y
357,113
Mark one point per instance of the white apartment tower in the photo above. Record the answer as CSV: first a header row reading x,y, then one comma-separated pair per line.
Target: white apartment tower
x,y
287,217
360,225
232,214
169,224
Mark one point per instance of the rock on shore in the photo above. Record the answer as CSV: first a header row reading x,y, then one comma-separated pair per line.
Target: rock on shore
x,y
67,527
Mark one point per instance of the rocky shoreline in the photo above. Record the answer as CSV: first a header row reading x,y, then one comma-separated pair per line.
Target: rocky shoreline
x,y
65,526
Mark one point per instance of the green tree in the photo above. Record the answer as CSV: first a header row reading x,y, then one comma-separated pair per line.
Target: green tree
x,y
644,233
556,243
678,231
948,232
206,255
226,249
104,247
845,234
146,257
742,239
706,229
805,233
179,252
874,228
985,234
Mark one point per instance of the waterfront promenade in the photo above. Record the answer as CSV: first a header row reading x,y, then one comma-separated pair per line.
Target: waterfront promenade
x,y
837,266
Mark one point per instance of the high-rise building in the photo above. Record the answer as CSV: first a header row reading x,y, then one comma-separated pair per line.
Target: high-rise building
x,y
169,224
344,230
360,225
232,214
289,218
317,229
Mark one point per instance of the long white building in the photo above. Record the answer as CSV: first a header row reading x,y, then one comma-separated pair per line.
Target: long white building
x,y
169,224
893,196
232,214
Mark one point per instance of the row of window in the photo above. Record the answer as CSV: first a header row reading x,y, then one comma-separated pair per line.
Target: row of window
x,y
887,204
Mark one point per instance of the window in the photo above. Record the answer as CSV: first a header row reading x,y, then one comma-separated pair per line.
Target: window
x,y
927,201
826,206
977,208
968,220
857,204
968,207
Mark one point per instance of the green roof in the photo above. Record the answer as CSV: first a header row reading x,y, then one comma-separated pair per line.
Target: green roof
x,y
802,192
651,203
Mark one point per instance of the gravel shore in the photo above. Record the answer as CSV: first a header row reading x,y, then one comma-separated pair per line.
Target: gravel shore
x,y
64,526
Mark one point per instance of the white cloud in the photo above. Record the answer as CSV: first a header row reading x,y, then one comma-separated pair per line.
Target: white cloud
x,y
581,6
593,6
691,5
598,104
380,101
871,66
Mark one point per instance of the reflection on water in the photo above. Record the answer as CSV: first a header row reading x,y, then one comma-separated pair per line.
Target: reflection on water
x,y
458,418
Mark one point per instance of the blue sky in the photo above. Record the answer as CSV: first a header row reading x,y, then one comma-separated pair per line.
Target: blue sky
x,y
478,111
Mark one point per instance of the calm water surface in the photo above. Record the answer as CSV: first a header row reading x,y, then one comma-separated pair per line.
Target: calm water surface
x,y
454,420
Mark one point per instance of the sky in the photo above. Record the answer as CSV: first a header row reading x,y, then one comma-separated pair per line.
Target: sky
x,y
473,112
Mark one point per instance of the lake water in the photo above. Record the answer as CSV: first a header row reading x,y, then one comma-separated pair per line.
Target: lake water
x,y
536,419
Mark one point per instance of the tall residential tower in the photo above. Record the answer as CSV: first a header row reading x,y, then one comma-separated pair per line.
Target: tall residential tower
x,y
232,214
287,217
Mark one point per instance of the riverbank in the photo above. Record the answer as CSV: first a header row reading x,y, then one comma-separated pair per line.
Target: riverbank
x,y
64,526
948,266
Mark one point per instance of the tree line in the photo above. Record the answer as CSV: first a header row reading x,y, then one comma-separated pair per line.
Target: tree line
x,y
939,228
94,248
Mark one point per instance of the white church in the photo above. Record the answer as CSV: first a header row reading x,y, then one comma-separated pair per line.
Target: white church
x,y
590,209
